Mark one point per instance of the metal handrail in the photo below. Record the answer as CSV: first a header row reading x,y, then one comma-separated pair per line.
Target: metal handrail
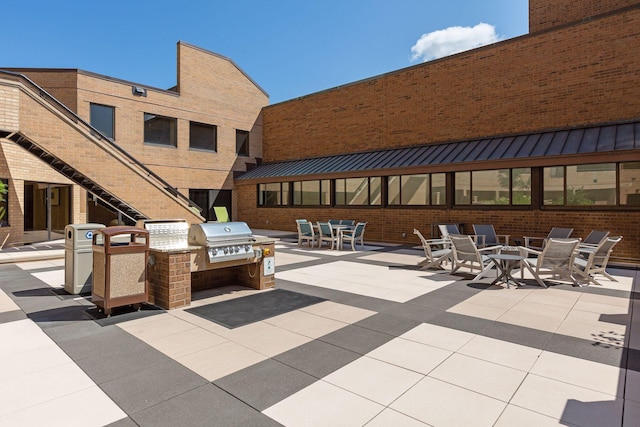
x,y
95,132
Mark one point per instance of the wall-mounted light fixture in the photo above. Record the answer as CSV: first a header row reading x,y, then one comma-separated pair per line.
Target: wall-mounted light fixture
x,y
138,91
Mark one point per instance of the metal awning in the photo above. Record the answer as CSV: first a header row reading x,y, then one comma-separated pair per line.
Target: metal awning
x,y
564,142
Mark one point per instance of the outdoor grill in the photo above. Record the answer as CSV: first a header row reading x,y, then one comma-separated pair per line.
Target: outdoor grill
x,y
224,241
166,234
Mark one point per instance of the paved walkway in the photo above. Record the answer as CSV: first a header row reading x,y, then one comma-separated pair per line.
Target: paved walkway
x,y
390,345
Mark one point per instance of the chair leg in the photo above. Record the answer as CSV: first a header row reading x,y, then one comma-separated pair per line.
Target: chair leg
x,y
608,276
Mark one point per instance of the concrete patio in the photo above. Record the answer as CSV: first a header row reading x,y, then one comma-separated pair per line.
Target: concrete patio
x,y
390,345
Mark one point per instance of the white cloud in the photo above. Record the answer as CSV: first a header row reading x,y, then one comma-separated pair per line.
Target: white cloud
x,y
452,40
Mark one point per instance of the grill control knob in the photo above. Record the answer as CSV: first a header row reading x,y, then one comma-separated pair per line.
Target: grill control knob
x,y
247,248
213,252
226,251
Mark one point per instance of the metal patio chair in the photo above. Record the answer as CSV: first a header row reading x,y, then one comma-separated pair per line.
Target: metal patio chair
x,y
595,261
306,232
467,254
436,252
489,235
327,234
555,233
353,236
556,260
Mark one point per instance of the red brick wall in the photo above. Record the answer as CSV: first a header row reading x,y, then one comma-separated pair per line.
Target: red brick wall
x,y
577,75
546,14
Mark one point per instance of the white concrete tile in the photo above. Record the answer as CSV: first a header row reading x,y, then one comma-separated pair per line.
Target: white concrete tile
x,y
468,308
410,355
554,297
531,320
601,308
583,373
186,342
438,336
42,356
21,336
153,327
435,402
340,312
267,339
516,416
323,404
567,402
389,417
605,299
6,303
501,352
373,379
283,259
497,381
54,278
304,323
221,360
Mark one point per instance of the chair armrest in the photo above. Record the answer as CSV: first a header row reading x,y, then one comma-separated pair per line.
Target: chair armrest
x,y
524,249
490,248
527,239
505,238
478,239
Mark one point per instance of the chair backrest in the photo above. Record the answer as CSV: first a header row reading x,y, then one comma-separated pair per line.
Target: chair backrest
x,y
595,237
558,253
334,221
425,244
486,230
301,220
464,248
222,215
359,229
325,229
560,233
305,228
347,222
448,229
601,257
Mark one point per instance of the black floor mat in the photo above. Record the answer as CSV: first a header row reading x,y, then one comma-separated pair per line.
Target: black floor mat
x,y
253,308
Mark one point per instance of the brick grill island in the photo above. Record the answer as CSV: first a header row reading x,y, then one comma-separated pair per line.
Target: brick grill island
x,y
185,259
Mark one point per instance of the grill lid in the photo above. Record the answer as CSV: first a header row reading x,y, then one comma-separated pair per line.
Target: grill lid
x,y
217,233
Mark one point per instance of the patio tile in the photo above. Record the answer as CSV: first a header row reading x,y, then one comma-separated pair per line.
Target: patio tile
x,y
267,339
631,414
435,402
515,334
601,307
490,379
460,322
154,327
221,360
567,402
501,352
317,358
531,320
356,339
554,297
605,299
340,312
304,323
482,311
410,355
187,342
202,406
595,376
6,303
389,417
437,336
600,352
516,416
388,324
264,384
323,404
632,386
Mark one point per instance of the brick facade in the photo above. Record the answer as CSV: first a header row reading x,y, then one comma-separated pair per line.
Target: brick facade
x,y
546,14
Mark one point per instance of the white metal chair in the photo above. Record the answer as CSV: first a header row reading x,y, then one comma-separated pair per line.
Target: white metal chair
x,y
436,251
327,234
467,254
353,236
489,236
594,261
555,233
556,260
305,232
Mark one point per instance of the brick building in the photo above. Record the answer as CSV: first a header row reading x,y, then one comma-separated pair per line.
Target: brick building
x,y
529,133
106,150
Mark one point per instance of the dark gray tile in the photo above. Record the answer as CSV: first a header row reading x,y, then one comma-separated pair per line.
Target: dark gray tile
x,y
631,359
157,383
12,316
119,358
587,350
74,331
59,316
388,324
265,384
412,312
206,406
517,334
125,422
317,358
442,299
357,339
84,340
462,323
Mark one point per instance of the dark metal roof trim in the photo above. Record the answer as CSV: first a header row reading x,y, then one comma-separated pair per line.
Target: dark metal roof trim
x,y
562,142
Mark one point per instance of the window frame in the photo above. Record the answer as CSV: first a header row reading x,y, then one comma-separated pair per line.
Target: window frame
x,y
337,198
246,152
4,203
322,183
173,130
111,135
214,141
284,195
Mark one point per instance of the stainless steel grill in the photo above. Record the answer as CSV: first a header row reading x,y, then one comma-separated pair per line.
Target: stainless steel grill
x,y
224,241
166,233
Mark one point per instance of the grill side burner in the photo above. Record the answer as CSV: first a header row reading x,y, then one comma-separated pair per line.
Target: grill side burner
x,y
224,241
166,234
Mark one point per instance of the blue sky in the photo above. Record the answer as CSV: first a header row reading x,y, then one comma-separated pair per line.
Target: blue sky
x,y
290,48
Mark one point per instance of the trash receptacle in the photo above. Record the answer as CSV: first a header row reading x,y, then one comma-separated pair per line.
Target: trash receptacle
x,y
120,257
78,264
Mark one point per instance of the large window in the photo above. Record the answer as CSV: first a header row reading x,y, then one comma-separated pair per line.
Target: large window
x,y
416,190
4,202
581,185
358,191
103,118
242,142
273,194
630,184
311,193
160,130
493,187
202,136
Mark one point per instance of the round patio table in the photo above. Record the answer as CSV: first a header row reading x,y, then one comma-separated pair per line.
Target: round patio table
x,y
505,263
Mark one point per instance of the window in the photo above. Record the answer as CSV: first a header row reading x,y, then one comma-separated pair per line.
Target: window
x,y
207,199
103,118
203,137
273,194
4,202
462,188
438,189
630,184
521,186
416,190
582,185
493,187
311,193
358,191
160,130
242,142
